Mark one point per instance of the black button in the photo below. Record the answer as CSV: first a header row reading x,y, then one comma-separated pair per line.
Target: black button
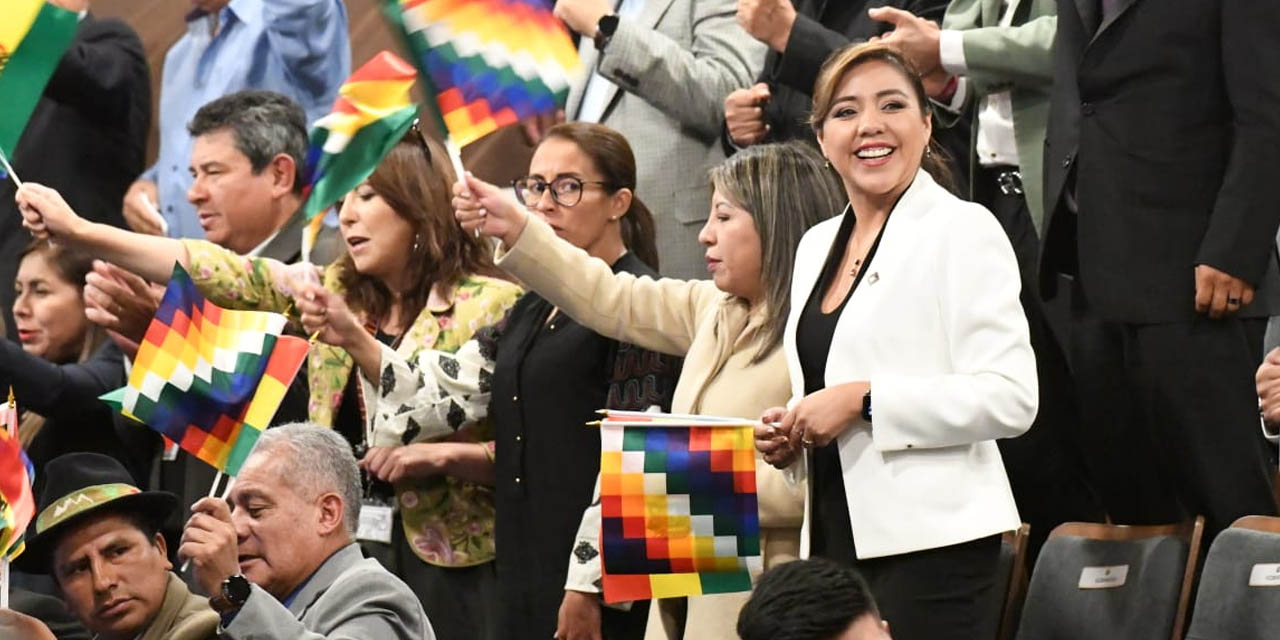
x,y
1086,108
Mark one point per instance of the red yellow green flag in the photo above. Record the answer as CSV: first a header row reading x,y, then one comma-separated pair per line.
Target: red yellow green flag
x,y
33,37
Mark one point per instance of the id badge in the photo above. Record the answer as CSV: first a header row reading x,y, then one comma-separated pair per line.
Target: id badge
x,y
375,521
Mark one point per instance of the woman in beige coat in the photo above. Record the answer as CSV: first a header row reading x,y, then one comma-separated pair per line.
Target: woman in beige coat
x,y
729,331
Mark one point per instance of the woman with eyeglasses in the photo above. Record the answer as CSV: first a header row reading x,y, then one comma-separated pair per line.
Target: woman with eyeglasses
x,y
409,280
729,330
540,377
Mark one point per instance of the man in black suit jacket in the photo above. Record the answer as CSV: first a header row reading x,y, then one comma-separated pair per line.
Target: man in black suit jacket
x,y
1161,159
86,138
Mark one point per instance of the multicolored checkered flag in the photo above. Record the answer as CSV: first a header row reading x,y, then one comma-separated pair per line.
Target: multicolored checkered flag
x,y
679,514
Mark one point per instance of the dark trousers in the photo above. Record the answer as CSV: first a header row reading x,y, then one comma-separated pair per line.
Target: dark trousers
x,y
1170,417
1045,465
936,594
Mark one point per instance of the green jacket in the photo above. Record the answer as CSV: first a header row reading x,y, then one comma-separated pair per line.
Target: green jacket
x,y
1018,59
183,616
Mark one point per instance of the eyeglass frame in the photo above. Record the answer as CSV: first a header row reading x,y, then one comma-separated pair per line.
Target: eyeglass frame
x,y
516,186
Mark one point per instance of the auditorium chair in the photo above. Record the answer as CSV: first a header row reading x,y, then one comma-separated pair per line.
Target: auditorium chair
x,y
1112,582
1239,593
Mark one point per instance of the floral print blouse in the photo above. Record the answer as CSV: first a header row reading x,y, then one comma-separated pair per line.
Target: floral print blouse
x,y
447,521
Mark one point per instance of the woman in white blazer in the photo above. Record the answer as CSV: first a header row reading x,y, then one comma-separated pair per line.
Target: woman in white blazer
x,y
908,354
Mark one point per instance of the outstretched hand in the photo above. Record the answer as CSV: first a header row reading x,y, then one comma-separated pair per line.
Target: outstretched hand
x,y
480,205
44,213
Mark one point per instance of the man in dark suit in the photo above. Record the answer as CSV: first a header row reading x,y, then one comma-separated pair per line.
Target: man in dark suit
x,y
1163,143
87,136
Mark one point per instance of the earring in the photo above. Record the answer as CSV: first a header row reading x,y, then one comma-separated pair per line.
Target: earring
x,y
928,152
827,163
415,243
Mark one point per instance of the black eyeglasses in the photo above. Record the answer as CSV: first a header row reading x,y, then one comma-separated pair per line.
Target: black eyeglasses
x,y
566,191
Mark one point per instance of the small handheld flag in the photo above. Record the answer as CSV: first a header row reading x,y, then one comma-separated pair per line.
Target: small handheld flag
x,y
679,514
17,502
33,37
487,63
372,113
209,378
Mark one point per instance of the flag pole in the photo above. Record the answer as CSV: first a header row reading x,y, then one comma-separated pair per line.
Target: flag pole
x,y
213,491
9,169
4,583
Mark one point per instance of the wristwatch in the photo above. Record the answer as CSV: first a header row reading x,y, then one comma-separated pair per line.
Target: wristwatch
x,y
233,594
866,406
605,29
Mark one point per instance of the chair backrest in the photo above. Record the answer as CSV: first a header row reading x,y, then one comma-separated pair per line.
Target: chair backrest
x,y
1239,595
1276,486
1116,582
1017,583
1013,551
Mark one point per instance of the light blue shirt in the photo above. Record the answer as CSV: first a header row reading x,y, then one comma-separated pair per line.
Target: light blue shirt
x,y
592,107
297,47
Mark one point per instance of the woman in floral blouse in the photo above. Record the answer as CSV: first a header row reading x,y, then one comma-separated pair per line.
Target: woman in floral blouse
x,y
411,280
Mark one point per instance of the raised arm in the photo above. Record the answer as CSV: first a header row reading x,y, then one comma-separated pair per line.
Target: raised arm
x,y
47,215
659,315
52,389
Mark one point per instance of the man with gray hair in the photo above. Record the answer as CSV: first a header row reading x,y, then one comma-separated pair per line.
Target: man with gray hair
x,y
279,557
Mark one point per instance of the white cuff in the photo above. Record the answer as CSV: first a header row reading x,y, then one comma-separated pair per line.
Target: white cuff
x,y
951,52
1272,436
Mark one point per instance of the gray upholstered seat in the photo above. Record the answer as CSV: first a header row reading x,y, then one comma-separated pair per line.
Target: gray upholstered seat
x,y
1143,608
1227,608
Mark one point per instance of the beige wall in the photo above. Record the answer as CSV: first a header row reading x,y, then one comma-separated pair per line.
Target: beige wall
x,y
499,157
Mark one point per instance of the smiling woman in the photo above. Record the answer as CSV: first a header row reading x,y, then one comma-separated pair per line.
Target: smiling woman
x,y
911,298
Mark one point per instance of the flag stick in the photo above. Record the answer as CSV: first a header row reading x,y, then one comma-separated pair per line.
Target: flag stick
x,y
9,169
213,491
455,158
4,582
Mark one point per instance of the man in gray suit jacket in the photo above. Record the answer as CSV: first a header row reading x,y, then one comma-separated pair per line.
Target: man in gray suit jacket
x,y
660,71
282,562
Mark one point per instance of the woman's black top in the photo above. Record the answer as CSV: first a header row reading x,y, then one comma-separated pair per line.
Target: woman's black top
x,y
550,378
830,534
75,420
350,418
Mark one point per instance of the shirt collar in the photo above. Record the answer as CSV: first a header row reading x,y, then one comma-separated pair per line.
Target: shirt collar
x,y
441,298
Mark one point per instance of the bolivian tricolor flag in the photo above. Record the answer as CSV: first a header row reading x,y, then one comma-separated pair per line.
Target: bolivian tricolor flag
x,y
33,37
369,117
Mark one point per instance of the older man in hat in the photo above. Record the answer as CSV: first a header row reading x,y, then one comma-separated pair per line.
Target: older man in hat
x,y
98,536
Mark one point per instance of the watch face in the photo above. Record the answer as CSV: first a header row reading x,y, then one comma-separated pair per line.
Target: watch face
x,y
236,589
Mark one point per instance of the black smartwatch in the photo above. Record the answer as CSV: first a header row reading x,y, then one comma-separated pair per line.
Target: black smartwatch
x,y
866,406
234,593
605,29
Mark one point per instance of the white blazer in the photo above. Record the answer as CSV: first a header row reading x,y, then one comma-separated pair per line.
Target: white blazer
x,y
937,328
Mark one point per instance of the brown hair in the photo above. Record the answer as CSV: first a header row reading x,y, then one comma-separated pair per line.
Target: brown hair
x,y
611,154
786,189
936,160
72,266
415,180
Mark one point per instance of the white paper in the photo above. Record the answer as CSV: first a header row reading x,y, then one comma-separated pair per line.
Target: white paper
x,y
1104,577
